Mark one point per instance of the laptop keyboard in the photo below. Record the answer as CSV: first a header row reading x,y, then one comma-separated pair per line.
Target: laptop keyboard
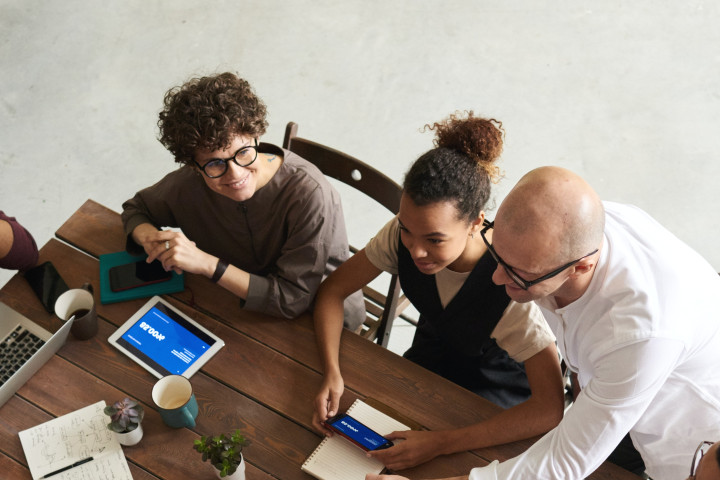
x,y
15,350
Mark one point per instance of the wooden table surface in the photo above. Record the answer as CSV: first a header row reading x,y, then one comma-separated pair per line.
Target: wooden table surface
x,y
263,381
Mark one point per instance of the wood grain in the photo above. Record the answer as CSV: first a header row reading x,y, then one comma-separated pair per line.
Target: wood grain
x,y
264,380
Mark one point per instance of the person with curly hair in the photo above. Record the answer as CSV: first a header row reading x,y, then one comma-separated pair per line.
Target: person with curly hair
x,y
469,331
258,220
635,312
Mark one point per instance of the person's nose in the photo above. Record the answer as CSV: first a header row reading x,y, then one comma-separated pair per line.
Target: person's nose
x,y
415,249
500,276
232,164
234,170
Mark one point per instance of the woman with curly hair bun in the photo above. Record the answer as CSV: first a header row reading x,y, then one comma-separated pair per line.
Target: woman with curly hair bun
x,y
469,331
260,221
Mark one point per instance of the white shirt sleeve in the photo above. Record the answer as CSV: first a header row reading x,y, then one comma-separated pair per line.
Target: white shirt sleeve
x,y
624,383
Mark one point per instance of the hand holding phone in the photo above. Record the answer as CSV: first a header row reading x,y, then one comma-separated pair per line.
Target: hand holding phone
x,y
358,433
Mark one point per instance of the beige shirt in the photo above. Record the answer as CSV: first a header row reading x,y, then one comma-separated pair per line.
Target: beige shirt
x,y
521,332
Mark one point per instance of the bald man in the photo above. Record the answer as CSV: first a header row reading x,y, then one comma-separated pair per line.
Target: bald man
x,y
636,316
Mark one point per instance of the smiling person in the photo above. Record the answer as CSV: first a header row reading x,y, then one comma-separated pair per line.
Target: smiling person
x,y
260,221
636,316
469,331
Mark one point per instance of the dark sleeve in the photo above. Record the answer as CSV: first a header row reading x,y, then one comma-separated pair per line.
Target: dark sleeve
x,y
291,289
23,253
150,205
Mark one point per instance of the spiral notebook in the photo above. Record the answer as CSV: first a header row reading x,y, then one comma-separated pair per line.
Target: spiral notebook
x,y
338,459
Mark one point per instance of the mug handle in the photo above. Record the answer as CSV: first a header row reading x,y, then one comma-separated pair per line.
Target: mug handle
x,y
189,419
88,286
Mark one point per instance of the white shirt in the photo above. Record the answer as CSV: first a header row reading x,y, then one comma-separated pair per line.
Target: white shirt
x,y
645,342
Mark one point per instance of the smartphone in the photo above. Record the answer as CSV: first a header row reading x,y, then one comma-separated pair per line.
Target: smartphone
x,y
357,433
137,274
47,284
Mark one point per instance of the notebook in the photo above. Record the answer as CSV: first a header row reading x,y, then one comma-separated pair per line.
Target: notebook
x,y
24,348
338,459
75,446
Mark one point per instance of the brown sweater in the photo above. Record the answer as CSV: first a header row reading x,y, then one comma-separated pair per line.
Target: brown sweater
x,y
288,236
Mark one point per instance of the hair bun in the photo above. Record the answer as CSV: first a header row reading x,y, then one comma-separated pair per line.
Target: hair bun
x,y
480,139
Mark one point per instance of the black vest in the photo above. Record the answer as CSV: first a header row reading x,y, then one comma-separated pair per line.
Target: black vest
x,y
455,341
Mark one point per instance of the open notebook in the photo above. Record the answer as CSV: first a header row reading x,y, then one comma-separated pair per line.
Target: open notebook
x,y
338,459
75,446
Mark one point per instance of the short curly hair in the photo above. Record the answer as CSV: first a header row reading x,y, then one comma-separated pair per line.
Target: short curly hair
x,y
207,113
461,167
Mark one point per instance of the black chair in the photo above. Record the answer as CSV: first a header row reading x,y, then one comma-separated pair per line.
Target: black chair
x,y
381,309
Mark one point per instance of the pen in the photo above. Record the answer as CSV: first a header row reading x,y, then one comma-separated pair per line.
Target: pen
x,y
76,464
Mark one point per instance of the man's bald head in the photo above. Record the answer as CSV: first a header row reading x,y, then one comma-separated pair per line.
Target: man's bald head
x,y
555,206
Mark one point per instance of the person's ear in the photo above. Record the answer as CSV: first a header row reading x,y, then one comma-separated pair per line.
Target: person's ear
x,y
582,267
477,224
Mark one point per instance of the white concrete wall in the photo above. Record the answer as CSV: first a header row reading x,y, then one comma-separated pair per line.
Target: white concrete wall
x,y
625,93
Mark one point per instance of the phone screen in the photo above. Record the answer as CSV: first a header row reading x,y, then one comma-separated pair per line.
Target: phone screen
x,y
358,433
137,274
47,284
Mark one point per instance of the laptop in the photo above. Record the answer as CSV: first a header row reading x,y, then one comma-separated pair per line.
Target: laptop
x,y
24,348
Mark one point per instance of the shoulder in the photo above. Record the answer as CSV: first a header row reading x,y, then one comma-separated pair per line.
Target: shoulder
x,y
301,170
184,176
523,315
382,249
522,331
299,178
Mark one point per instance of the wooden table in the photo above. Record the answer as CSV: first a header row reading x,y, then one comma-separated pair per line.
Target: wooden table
x,y
263,382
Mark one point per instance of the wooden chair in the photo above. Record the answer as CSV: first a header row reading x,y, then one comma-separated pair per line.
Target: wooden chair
x,y
381,309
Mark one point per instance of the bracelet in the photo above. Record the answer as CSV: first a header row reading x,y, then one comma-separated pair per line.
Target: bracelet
x,y
219,270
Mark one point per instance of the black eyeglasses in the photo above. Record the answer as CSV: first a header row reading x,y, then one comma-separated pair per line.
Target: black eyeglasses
x,y
217,167
519,281
699,454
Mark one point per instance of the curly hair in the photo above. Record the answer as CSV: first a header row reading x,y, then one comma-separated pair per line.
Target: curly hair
x,y
461,167
207,113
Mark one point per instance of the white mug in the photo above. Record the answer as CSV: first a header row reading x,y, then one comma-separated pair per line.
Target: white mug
x,y
79,302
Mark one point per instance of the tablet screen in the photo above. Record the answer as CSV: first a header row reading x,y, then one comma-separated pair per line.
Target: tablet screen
x,y
165,341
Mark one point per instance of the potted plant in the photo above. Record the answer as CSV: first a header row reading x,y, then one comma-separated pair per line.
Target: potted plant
x,y
225,454
125,417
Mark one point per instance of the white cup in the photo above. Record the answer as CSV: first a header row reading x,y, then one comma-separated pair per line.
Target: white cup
x,y
79,302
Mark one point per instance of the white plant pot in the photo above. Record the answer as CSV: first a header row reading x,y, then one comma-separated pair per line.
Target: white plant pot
x,y
130,438
238,475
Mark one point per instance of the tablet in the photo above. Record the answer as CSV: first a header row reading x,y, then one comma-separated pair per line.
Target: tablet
x,y
165,341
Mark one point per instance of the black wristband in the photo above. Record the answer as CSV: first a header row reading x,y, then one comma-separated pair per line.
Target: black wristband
x,y
219,270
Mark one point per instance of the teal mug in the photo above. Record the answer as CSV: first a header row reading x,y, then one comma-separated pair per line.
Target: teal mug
x,y
175,400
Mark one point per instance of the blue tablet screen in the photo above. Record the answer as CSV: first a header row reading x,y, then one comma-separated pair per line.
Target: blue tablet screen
x,y
166,341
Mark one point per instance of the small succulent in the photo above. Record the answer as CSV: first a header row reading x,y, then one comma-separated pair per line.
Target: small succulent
x,y
125,415
223,452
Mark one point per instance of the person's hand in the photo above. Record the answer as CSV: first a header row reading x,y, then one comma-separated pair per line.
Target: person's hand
x,y
372,476
174,250
327,401
417,447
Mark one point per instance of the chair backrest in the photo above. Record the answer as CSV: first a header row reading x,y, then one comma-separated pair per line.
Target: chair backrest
x,y
381,309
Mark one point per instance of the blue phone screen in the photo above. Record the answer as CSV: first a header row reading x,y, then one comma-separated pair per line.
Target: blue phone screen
x,y
166,341
357,431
